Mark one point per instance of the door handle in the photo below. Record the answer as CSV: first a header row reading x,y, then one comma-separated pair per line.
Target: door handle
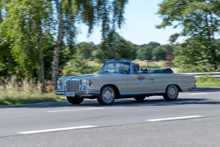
x,y
152,79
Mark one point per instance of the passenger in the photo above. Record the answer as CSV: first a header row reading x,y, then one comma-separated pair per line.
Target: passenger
x,y
137,66
134,69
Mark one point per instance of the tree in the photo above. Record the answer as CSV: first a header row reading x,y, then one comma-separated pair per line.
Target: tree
x,y
114,46
145,51
85,49
199,19
31,27
90,12
159,53
194,56
77,66
25,30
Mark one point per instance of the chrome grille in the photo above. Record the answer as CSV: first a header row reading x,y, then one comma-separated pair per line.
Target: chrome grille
x,y
72,85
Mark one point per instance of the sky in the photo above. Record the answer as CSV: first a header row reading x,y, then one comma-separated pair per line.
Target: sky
x,y
139,27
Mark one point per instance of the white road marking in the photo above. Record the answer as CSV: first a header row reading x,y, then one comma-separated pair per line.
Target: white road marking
x,y
198,93
57,129
74,110
174,118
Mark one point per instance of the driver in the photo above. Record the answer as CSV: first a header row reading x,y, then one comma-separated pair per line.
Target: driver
x,y
121,69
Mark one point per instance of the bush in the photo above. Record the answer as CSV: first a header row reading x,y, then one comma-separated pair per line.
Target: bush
x,y
78,66
207,81
17,90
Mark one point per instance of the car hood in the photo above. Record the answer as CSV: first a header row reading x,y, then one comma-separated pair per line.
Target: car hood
x,y
82,77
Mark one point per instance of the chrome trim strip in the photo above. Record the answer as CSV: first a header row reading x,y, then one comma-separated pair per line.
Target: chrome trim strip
x,y
134,93
81,93
59,93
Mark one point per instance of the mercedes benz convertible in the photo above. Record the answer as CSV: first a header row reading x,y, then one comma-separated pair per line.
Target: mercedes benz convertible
x,y
125,79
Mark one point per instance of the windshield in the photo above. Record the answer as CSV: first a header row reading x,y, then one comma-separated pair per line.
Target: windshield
x,y
116,67
154,68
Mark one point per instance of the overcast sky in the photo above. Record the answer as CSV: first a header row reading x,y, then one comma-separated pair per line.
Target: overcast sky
x,y
139,27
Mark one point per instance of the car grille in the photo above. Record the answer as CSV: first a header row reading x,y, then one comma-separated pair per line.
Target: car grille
x,y
72,85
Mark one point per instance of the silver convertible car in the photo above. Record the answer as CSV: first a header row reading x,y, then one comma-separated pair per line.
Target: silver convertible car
x,y
124,79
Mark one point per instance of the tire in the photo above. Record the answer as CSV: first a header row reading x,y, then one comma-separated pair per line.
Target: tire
x,y
171,94
107,95
74,100
139,98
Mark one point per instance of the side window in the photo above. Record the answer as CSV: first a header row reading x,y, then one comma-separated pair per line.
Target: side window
x,y
116,67
154,68
112,67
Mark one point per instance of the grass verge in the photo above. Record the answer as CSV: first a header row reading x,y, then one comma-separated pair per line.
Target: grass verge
x,y
207,81
12,99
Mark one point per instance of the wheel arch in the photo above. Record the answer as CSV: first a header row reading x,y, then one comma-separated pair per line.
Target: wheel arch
x,y
115,88
177,85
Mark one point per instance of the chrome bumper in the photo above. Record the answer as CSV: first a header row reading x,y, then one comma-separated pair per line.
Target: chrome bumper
x,y
193,88
82,93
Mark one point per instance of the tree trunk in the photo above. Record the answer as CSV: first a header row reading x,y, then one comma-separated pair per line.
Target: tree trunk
x,y
42,71
55,62
213,43
40,51
210,35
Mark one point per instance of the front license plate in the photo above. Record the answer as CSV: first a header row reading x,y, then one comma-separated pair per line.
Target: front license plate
x,y
72,94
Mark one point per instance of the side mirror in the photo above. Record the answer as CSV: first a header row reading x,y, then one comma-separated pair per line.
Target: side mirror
x,y
140,71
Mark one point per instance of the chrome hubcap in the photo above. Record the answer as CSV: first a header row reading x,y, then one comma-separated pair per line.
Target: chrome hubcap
x,y
108,95
172,92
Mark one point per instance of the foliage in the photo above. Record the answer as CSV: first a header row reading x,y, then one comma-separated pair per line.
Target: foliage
x,y
200,21
22,29
196,56
77,66
154,51
17,90
145,51
85,49
160,52
108,13
113,47
207,81
28,28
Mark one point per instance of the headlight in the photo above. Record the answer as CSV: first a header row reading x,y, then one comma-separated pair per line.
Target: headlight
x,y
59,84
86,84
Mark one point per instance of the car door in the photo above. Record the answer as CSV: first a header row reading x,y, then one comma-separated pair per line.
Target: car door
x,y
139,83
159,79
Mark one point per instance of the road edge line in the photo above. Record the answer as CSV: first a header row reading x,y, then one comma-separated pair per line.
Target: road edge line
x,y
175,118
56,129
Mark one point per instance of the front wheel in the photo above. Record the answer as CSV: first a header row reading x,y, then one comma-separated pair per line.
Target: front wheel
x,y
107,95
74,100
171,93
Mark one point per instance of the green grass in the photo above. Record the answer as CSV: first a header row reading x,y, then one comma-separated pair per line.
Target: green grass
x,y
207,81
17,99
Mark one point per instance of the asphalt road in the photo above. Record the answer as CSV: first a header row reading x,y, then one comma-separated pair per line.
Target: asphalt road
x,y
192,120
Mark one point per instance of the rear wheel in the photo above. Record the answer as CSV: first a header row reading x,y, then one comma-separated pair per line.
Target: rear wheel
x,y
139,98
171,93
107,95
74,100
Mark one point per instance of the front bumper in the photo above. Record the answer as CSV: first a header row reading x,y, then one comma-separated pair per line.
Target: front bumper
x,y
193,88
81,93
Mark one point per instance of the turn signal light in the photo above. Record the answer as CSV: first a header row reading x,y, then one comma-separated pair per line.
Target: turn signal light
x,y
90,82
